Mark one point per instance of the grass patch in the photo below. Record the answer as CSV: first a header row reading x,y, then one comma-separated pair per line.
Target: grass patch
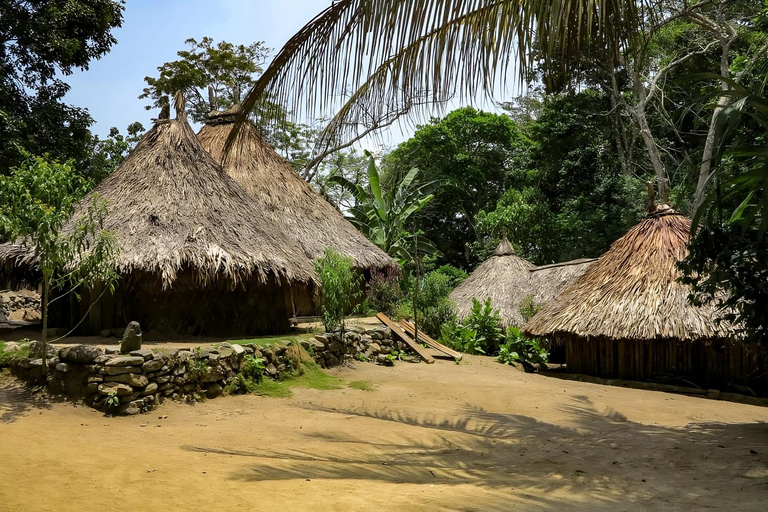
x,y
260,341
309,375
7,358
273,389
362,385
314,378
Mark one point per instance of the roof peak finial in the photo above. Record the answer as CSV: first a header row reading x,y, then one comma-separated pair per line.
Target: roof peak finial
x,y
179,104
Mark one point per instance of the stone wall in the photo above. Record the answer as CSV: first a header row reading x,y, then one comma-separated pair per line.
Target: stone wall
x,y
22,305
142,379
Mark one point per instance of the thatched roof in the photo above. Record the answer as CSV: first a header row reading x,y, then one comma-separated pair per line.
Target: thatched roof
x,y
549,281
632,292
302,214
504,277
173,208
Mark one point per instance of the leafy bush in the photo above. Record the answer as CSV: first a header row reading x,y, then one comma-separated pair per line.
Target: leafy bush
x,y
462,338
340,285
528,307
253,367
454,274
519,349
487,323
383,292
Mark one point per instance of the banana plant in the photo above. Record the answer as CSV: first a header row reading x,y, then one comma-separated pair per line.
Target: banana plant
x,y
383,216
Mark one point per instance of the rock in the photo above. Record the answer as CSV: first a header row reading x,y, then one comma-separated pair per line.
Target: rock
x,y
213,357
179,381
271,370
131,338
180,370
322,338
153,365
183,355
111,350
143,352
150,389
95,378
359,329
115,388
103,359
83,354
36,349
126,361
119,370
331,360
238,349
212,374
165,387
225,350
132,408
137,381
214,390
129,398
62,367
376,334
92,388
26,362
374,348
163,380
11,347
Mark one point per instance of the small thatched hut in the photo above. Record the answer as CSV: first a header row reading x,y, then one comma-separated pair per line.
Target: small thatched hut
x,y
302,214
197,257
504,278
628,317
508,280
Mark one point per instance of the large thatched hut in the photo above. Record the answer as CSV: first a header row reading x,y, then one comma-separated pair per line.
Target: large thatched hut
x,y
302,214
197,256
508,280
628,317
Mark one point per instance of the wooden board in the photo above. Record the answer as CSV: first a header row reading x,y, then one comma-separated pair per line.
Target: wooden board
x,y
400,333
410,329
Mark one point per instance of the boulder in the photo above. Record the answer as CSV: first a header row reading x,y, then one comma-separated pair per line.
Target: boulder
x,y
150,389
131,338
62,367
11,347
36,349
225,350
359,329
131,408
132,379
214,390
143,352
126,361
238,349
271,370
212,374
153,365
83,354
119,370
103,359
95,378
115,388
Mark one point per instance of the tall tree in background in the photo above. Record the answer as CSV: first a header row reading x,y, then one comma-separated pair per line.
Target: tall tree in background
x,y
39,41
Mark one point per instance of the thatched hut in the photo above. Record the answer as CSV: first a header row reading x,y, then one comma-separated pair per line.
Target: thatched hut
x,y
197,256
508,280
504,278
302,214
628,316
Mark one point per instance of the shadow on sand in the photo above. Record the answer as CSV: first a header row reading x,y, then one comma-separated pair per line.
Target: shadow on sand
x,y
601,457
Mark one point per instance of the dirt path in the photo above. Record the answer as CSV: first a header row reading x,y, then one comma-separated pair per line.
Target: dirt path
x,y
479,436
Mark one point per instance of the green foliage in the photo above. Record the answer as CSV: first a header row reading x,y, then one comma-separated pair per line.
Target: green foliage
x,y
529,307
40,43
462,338
112,151
362,385
487,323
475,154
340,285
9,358
229,69
395,355
253,367
519,349
112,401
455,275
383,214
197,365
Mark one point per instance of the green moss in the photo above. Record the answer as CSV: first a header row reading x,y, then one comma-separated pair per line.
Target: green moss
x,y
264,340
362,385
272,388
313,377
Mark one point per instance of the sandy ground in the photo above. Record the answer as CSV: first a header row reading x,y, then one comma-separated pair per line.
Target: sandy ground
x,y
477,436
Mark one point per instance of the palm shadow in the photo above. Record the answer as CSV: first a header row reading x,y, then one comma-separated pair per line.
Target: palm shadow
x,y
601,455
16,399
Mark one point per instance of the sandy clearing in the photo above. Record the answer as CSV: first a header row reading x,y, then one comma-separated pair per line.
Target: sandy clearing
x,y
477,436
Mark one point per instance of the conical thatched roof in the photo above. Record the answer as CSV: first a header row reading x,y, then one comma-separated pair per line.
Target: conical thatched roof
x,y
173,208
508,279
302,214
631,292
501,277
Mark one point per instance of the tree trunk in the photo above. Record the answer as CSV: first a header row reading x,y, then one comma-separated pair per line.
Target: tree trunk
x,y
46,284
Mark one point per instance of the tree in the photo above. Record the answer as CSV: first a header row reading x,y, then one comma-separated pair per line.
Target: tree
x,y
107,154
480,156
383,215
40,42
339,287
211,76
37,203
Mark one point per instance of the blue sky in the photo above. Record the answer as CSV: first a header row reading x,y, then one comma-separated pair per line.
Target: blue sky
x,y
154,30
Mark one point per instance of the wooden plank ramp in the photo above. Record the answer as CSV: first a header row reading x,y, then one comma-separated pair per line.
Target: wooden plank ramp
x,y
400,333
410,329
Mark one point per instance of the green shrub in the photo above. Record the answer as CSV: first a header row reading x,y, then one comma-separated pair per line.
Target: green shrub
x,y
404,310
487,323
462,338
519,349
454,274
528,307
253,367
340,286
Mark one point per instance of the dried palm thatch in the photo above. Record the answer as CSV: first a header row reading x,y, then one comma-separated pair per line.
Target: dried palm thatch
x,y
631,292
290,203
173,209
508,279
500,278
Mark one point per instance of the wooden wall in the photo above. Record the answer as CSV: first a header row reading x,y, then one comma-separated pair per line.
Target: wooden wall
x,y
715,364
